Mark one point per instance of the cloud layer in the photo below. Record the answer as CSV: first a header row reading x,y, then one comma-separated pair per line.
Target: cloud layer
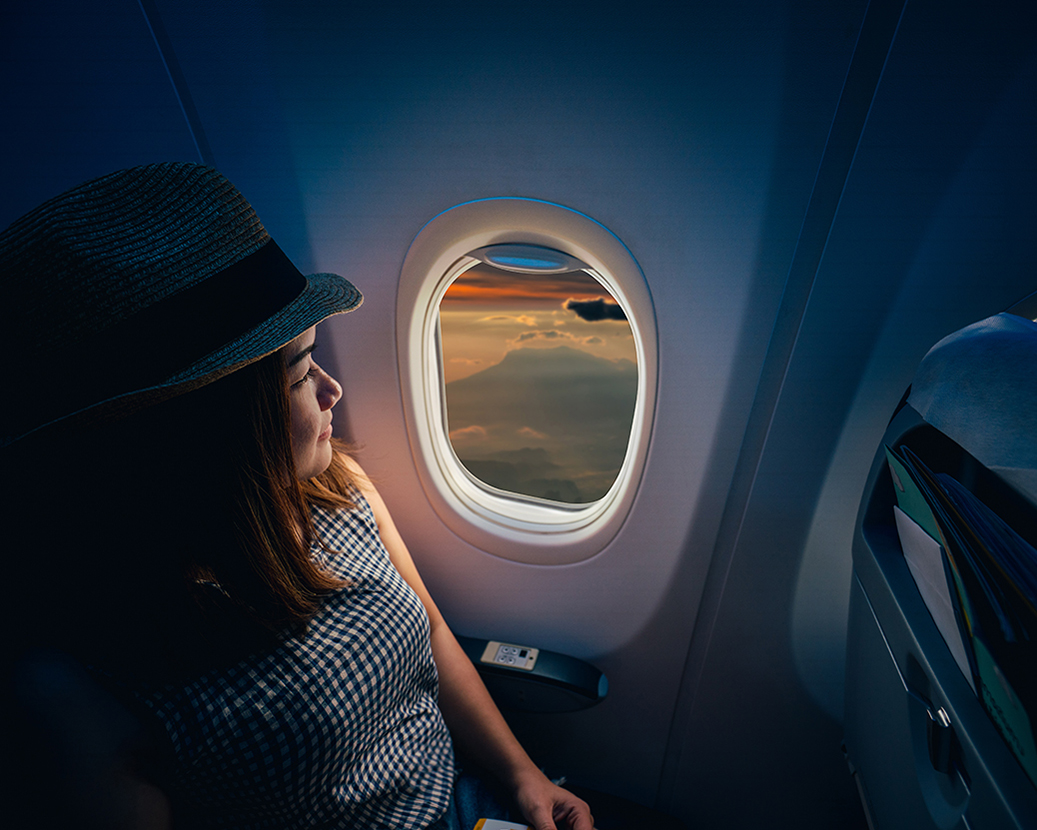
x,y
548,422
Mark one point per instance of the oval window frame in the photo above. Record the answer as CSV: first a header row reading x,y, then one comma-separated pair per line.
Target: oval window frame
x,y
514,527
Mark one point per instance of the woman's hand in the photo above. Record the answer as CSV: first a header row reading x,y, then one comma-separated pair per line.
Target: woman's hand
x,y
549,807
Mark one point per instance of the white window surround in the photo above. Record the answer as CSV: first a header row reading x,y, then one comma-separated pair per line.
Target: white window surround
x,y
508,525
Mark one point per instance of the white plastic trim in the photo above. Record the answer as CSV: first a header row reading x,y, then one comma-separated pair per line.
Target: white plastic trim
x,y
505,524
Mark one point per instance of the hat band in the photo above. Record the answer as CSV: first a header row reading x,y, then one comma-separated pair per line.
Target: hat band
x,y
162,340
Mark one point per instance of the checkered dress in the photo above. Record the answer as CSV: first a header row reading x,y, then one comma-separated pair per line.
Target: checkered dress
x,y
339,729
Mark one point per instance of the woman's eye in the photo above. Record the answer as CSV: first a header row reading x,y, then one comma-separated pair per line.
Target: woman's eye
x,y
312,373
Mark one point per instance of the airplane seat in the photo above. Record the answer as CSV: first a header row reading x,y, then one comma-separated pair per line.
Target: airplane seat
x,y
83,758
76,754
547,681
941,691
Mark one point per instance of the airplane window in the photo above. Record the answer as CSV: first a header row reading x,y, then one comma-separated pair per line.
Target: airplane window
x,y
540,374
528,367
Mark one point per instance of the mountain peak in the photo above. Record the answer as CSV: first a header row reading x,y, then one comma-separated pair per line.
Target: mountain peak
x,y
556,361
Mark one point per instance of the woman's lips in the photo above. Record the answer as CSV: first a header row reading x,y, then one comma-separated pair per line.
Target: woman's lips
x,y
325,433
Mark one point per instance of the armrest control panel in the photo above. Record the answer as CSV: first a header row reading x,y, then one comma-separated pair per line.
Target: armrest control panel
x,y
512,656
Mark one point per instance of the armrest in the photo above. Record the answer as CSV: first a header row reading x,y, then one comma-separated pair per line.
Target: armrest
x,y
553,683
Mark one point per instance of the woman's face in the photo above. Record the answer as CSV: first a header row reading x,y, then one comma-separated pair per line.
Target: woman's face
x,y
313,392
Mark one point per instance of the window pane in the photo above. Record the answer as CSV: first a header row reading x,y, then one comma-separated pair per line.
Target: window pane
x,y
541,381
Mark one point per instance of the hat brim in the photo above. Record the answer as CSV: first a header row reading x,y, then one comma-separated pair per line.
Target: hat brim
x,y
323,296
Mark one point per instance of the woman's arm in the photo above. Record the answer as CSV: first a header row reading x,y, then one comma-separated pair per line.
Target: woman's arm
x,y
474,720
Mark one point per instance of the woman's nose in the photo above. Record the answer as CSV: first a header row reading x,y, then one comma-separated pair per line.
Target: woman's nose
x,y
330,391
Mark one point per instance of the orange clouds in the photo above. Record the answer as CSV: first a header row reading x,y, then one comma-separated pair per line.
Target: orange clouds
x,y
472,433
484,286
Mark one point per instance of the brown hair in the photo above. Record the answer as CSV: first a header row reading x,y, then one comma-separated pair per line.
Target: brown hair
x,y
175,538
335,487
276,578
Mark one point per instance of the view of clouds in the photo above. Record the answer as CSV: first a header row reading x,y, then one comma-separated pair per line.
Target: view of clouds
x,y
541,380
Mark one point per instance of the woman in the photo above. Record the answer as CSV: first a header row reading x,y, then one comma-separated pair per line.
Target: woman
x,y
225,567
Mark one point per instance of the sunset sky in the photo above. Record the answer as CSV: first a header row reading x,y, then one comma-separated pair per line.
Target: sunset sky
x,y
486,313
541,381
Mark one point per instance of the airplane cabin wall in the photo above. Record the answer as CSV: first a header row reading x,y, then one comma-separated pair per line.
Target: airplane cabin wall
x,y
932,232
718,612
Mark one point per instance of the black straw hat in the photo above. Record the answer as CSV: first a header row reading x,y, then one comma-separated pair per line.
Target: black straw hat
x,y
142,285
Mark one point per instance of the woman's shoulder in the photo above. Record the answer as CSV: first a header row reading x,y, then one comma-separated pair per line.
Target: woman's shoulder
x,y
352,523
330,522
